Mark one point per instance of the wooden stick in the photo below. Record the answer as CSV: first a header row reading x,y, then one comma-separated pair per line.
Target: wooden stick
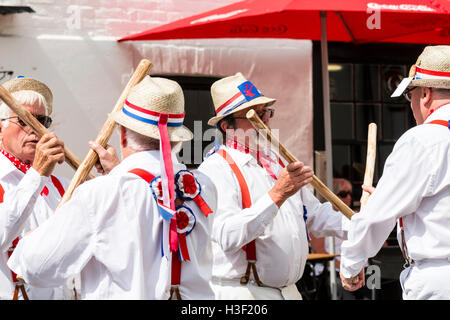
x,y
105,132
36,126
370,161
316,183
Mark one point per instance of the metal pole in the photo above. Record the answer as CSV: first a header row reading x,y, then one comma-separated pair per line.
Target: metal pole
x,y
328,144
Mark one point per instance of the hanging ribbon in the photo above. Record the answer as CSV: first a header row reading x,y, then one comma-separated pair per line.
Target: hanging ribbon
x,y
188,188
167,177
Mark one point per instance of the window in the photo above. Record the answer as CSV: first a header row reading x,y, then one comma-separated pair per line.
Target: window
x,y
360,94
199,109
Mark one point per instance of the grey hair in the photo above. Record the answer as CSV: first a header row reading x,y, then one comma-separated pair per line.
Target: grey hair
x,y
442,92
27,97
139,142
339,184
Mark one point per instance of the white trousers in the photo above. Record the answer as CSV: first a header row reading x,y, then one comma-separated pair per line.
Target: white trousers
x,y
233,290
426,280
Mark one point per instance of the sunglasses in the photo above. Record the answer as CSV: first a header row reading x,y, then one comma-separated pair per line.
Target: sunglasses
x,y
407,93
343,194
46,121
269,112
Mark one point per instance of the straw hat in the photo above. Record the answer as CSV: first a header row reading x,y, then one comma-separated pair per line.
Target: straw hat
x,y
235,93
147,101
19,84
432,69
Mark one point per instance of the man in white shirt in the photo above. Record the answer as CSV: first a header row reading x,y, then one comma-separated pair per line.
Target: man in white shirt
x,y
414,189
262,204
126,231
28,191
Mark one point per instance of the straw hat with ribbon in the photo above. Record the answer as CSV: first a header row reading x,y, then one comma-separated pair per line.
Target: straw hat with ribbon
x,y
235,93
19,84
432,69
155,108
152,103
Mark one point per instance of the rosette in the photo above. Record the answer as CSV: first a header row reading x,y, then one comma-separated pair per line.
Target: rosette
x,y
188,188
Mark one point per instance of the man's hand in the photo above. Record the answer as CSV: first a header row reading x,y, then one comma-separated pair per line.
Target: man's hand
x,y
291,179
353,284
49,151
108,158
368,189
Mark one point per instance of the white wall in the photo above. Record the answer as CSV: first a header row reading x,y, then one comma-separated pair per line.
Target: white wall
x,y
70,45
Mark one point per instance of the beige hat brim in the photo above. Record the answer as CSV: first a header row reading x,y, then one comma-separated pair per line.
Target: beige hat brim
x,y
432,83
176,134
260,100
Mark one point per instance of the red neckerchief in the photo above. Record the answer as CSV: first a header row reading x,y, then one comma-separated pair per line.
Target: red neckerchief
x,y
262,158
16,162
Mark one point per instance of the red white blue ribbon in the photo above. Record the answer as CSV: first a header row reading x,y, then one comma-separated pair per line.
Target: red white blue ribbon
x,y
430,74
152,117
167,177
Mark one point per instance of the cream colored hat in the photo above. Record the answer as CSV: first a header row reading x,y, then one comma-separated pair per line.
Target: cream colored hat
x,y
149,100
19,84
235,93
432,69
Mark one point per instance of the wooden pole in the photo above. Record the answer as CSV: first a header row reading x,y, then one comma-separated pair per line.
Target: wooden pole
x,y
316,183
105,132
370,160
36,126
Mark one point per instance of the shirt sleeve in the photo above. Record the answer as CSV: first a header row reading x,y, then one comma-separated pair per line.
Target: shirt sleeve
x,y
406,180
322,220
60,247
18,204
233,226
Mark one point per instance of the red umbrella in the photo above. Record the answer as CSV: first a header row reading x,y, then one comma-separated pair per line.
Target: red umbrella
x,y
407,21
358,21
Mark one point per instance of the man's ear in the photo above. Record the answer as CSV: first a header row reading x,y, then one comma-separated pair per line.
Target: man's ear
x,y
224,126
426,96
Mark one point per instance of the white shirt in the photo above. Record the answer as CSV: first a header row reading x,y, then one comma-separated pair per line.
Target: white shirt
x,y
110,231
23,209
416,186
280,233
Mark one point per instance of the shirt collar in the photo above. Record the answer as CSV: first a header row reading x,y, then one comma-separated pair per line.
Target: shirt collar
x,y
239,157
6,167
441,113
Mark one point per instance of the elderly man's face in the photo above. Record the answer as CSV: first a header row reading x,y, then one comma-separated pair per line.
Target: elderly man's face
x,y
244,131
21,141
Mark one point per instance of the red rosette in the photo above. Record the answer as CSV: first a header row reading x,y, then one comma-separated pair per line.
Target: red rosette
x,y
186,184
185,224
188,188
156,186
185,220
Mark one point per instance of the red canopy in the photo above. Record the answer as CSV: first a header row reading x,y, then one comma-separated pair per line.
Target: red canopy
x,y
359,21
